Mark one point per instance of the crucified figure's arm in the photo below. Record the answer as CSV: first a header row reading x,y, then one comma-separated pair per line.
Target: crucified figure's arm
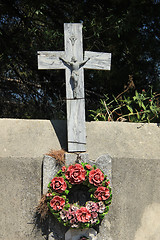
x,y
74,62
83,63
65,61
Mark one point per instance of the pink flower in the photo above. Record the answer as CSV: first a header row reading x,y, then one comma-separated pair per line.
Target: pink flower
x,y
63,215
71,213
150,100
58,184
101,207
64,169
92,206
94,217
96,177
57,203
102,193
75,174
83,215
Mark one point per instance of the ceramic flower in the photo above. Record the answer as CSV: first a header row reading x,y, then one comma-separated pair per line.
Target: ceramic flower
x,y
83,215
75,174
58,184
102,193
57,203
96,177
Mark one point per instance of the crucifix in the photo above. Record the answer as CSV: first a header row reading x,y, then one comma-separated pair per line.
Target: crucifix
x,y
74,62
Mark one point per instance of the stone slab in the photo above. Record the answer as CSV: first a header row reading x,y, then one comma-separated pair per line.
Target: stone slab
x,y
50,169
123,140
20,184
76,234
104,162
135,152
71,158
34,138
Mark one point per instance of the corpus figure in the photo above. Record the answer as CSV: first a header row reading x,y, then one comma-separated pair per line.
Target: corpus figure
x,y
74,66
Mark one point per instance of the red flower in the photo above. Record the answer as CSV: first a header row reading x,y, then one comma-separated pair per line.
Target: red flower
x,y
83,215
102,193
96,177
57,203
75,174
63,169
88,166
58,184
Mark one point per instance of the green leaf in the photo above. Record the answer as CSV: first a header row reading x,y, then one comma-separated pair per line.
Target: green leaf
x,y
56,214
129,108
63,196
106,210
143,106
98,221
68,184
101,215
66,192
67,206
103,184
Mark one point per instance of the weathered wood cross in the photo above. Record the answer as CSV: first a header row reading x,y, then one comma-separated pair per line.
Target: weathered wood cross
x,y
73,62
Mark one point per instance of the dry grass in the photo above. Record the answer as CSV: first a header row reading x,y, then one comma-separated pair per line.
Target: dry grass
x,y
42,208
58,155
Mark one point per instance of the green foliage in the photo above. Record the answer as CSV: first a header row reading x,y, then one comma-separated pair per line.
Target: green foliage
x,y
142,107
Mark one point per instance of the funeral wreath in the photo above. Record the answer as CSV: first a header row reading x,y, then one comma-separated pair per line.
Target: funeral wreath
x,y
73,214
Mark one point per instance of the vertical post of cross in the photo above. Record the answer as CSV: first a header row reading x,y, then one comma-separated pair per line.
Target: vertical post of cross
x,y
76,128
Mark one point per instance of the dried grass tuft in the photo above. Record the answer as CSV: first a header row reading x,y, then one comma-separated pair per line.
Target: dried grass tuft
x,y
42,208
58,155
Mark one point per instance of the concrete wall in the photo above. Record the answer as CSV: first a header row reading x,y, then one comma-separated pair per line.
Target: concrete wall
x,y
134,148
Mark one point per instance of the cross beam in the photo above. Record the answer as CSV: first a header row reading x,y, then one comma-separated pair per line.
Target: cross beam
x,y
73,61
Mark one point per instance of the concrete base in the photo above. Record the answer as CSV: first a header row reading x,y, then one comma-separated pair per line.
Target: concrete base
x,y
76,234
135,152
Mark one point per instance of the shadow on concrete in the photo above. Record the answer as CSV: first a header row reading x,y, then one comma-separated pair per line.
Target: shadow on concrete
x,y
50,228
60,127
41,225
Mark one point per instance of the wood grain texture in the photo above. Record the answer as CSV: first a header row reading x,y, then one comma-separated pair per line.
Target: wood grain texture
x,y
50,60
76,125
75,107
98,60
74,48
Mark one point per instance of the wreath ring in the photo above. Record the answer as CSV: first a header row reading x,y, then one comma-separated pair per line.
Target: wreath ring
x,y
72,214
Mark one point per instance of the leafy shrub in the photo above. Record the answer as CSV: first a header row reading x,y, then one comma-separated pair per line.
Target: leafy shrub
x,y
142,107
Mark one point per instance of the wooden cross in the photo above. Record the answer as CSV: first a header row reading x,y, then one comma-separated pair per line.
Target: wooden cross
x,y
73,61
